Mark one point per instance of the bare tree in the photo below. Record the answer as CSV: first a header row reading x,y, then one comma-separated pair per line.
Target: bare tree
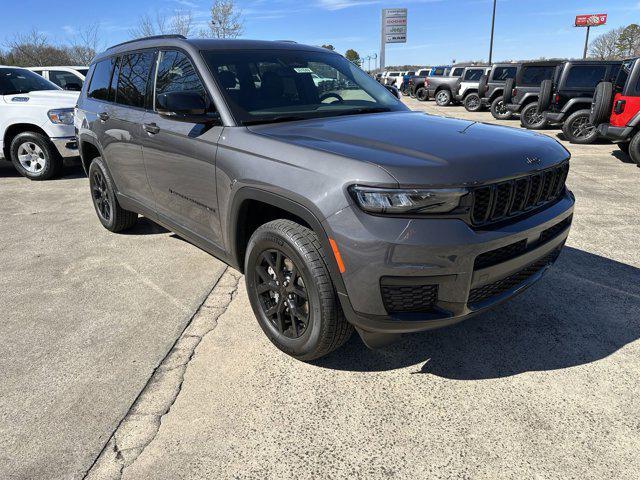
x,y
179,23
86,44
226,19
33,49
604,47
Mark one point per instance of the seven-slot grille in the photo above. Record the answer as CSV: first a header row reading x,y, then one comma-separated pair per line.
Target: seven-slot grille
x,y
499,201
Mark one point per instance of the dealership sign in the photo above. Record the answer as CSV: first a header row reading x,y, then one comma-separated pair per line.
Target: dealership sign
x,y
593,20
394,23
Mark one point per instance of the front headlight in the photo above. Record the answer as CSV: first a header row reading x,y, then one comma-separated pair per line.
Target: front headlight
x,y
61,116
414,201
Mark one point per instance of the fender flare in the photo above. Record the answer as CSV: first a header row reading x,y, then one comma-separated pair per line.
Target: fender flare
x,y
577,101
291,206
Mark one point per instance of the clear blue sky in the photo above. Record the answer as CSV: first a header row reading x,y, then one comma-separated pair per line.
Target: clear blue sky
x,y
438,30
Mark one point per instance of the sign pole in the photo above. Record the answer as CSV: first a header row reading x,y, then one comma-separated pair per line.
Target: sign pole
x,y
586,43
382,40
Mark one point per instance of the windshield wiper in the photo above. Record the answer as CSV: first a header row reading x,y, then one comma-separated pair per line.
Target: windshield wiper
x,y
276,119
358,111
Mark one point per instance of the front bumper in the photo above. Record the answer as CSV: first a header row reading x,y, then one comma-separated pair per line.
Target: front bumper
x,y
617,134
514,107
439,252
66,146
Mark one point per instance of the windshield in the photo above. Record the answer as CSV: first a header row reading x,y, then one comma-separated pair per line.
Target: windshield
x,y
262,86
19,80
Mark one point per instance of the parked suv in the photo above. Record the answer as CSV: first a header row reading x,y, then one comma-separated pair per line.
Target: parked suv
x,y
491,87
521,94
567,98
442,88
467,87
342,207
36,124
616,109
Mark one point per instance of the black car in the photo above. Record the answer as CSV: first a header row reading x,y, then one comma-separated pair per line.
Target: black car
x,y
567,98
491,87
523,90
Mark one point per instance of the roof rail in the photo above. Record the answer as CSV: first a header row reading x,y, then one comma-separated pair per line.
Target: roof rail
x,y
152,37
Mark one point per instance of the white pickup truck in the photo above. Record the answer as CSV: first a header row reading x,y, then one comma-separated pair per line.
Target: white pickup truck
x,y
36,123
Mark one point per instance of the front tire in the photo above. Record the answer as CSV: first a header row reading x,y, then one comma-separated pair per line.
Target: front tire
x,y
443,98
531,118
422,94
291,291
103,193
578,128
472,102
499,110
634,148
34,156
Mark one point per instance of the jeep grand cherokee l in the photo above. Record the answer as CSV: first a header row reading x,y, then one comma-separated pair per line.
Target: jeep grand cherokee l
x,y
341,206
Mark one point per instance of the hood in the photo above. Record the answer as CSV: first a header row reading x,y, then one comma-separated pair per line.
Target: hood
x,y
48,98
420,149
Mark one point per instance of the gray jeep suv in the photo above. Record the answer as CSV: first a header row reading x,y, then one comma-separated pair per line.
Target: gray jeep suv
x,y
342,208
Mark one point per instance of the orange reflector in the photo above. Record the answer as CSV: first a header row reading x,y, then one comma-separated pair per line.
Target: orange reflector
x,y
336,254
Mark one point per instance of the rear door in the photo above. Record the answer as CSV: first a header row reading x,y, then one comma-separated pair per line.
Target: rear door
x,y
180,156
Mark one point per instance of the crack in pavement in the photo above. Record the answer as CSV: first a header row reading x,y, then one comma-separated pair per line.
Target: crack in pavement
x,y
142,422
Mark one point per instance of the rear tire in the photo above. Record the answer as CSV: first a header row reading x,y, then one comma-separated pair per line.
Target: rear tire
x,y
634,148
103,194
34,156
443,98
422,94
291,291
499,110
577,128
472,102
531,119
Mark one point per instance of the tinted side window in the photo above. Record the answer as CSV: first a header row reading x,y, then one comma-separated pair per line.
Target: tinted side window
x,y
623,74
176,73
502,74
534,75
457,72
135,69
64,79
437,72
585,76
473,75
99,87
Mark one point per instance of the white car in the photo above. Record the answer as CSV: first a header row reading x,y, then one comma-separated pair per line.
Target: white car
x,y
392,77
67,78
36,123
317,79
467,92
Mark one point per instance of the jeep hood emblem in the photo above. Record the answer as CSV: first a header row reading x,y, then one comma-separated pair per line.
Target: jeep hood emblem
x,y
533,160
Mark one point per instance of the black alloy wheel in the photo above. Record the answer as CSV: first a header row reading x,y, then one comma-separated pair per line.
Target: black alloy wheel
x,y
282,293
100,195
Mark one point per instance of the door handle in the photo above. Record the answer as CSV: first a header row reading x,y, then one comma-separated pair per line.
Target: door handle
x,y
151,128
104,116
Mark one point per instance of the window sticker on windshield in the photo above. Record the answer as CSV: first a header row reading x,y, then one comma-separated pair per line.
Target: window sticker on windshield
x,y
303,70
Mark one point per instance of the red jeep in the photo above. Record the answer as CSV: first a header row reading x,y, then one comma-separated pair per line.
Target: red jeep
x,y
616,109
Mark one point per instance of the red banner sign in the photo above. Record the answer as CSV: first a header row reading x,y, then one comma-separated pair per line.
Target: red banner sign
x,y
593,20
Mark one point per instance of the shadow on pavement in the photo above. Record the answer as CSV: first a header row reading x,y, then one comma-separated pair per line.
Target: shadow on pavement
x,y
145,227
623,157
586,308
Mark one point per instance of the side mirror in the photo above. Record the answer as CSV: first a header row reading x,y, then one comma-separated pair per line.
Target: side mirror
x,y
393,90
184,107
74,87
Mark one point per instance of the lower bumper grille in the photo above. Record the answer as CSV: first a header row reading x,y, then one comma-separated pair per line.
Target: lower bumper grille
x,y
503,285
409,298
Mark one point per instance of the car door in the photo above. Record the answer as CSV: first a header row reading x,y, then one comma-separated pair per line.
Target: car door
x,y
118,120
180,156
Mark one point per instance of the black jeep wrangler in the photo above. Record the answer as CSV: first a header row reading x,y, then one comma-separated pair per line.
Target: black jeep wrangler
x,y
491,87
521,93
567,98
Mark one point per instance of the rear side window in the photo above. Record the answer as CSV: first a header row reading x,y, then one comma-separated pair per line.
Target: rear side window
x,y
535,75
473,75
133,79
64,79
457,72
176,73
100,80
623,74
502,74
585,76
438,72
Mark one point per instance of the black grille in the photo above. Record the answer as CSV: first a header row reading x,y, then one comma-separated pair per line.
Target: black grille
x,y
409,298
500,255
554,231
503,285
499,201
